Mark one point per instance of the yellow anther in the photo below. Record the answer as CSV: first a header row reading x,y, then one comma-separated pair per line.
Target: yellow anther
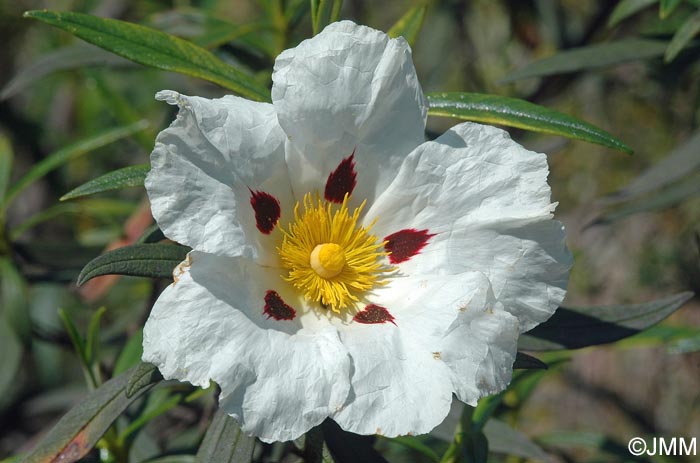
x,y
327,259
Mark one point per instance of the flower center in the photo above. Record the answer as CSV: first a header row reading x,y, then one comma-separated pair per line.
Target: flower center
x,y
327,259
329,256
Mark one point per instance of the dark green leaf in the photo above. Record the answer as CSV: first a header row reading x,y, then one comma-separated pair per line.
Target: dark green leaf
x,y
13,300
590,57
676,165
80,429
74,335
92,341
475,447
103,208
174,459
662,199
225,442
688,30
666,7
10,359
69,153
78,56
121,178
627,8
141,376
144,260
416,444
504,439
513,112
576,327
528,362
408,26
153,234
203,29
347,447
153,48
131,353
6,158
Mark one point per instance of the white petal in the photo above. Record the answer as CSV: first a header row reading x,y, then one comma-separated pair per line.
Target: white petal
x,y
204,167
350,88
448,336
276,378
486,200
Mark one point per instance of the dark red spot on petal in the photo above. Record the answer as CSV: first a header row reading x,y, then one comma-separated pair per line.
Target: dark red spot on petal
x,y
267,210
276,308
373,314
342,180
405,244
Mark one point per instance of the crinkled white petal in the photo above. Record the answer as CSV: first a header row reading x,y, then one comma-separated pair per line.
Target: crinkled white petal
x,y
450,336
350,88
276,378
202,170
486,200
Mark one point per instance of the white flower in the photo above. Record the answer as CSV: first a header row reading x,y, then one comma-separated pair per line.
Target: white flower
x,y
343,267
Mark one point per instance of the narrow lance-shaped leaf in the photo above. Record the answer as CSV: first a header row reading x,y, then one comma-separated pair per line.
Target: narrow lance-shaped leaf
x,y
145,260
590,57
323,12
69,153
132,176
666,7
153,48
6,158
409,25
627,8
576,327
225,442
513,112
78,56
673,167
347,447
670,196
688,30
528,362
80,429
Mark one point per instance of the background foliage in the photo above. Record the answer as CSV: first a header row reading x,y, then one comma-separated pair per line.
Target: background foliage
x,y
76,126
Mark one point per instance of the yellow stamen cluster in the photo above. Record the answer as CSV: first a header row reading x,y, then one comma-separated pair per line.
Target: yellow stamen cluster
x,y
330,258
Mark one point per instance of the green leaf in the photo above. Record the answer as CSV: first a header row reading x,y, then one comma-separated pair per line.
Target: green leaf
x,y
590,57
225,442
347,447
504,439
202,29
131,176
627,8
528,362
6,158
141,376
64,155
576,327
78,56
92,342
666,7
673,167
688,30
409,25
670,196
14,300
152,234
513,112
80,429
10,359
103,208
153,48
416,444
131,353
324,12
144,260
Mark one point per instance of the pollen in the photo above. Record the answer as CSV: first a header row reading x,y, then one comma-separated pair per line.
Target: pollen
x,y
328,256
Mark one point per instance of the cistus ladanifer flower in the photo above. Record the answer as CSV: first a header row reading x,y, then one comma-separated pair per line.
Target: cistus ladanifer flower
x,y
342,266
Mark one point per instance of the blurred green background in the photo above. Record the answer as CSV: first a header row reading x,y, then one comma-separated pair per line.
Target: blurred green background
x,y
57,91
